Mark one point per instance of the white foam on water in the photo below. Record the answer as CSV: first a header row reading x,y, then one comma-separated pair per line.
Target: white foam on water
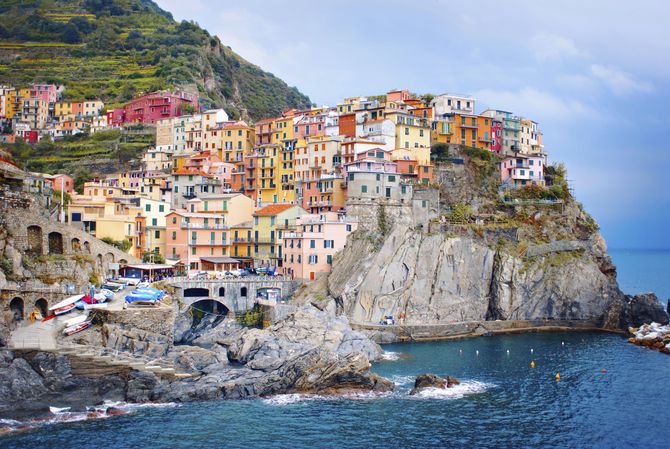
x,y
465,388
296,398
402,380
132,406
390,356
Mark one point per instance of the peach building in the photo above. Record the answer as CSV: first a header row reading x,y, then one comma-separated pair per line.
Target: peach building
x,y
193,236
309,250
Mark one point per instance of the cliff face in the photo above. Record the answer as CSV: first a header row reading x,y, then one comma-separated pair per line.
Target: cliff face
x,y
484,258
439,279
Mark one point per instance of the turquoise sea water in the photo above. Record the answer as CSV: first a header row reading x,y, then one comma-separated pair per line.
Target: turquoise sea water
x,y
611,394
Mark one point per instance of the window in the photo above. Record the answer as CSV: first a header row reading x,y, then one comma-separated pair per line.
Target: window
x,y
329,243
154,222
312,243
403,189
329,259
424,203
391,178
364,189
147,207
193,251
174,235
313,259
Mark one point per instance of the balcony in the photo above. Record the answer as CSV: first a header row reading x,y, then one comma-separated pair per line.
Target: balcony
x,y
209,243
188,195
468,125
214,227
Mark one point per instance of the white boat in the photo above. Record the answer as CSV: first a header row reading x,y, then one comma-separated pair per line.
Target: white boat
x,y
76,320
56,410
95,306
66,302
77,327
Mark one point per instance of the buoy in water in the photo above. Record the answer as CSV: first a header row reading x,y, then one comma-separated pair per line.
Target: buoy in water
x,y
460,351
508,352
477,351
531,350
558,376
603,370
532,363
562,343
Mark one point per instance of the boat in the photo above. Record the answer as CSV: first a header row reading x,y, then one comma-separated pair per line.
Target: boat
x,y
152,291
77,327
65,305
96,306
76,320
65,309
142,299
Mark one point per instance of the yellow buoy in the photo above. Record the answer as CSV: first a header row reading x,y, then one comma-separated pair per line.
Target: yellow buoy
x,y
532,363
558,376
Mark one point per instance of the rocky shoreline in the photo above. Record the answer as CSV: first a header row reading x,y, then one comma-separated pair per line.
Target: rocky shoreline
x,y
310,351
653,336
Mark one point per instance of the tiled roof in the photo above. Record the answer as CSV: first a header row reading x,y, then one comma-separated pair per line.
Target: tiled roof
x,y
273,209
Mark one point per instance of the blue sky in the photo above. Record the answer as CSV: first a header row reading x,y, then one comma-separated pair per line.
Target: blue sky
x,y
595,74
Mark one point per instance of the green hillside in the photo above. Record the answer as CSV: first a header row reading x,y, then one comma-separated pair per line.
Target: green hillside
x,y
115,49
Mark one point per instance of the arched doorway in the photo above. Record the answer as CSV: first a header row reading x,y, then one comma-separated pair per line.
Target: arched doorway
x,y
222,291
16,307
208,310
87,248
34,241
196,293
76,245
55,243
243,292
43,307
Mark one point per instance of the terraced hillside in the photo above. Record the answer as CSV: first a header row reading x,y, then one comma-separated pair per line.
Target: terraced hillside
x,y
115,49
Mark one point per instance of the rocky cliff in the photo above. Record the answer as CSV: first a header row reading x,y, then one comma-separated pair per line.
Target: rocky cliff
x,y
492,259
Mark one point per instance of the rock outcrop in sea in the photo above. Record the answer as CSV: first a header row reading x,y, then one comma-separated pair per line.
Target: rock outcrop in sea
x,y
653,335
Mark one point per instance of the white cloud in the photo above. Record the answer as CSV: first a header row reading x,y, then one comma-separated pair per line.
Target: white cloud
x,y
550,47
618,81
535,104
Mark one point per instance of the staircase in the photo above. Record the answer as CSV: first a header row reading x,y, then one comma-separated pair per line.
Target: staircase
x,y
39,336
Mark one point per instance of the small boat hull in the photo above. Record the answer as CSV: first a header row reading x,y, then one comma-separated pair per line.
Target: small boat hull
x,y
77,328
65,309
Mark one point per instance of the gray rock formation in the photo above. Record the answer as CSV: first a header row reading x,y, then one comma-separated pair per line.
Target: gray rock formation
x,y
432,381
439,278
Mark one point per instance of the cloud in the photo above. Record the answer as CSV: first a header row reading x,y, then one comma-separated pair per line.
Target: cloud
x,y
551,47
536,104
618,81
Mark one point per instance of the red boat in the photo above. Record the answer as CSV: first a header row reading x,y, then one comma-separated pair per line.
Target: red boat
x,y
63,310
77,328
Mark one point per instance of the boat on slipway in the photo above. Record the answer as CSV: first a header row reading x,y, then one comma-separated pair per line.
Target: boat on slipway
x,y
66,305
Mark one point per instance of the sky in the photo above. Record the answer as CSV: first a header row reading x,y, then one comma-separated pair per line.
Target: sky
x,y
595,74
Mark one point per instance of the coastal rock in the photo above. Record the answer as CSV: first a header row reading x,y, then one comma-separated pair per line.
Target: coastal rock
x,y
432,381
653,335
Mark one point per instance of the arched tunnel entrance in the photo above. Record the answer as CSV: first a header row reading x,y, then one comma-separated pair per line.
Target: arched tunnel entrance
x,y
205,315
16,307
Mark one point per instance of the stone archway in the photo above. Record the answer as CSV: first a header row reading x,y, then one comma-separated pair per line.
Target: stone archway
x,y
35,241
55,243
87,248
98,261
243,292
16,307
43,307
222,291
211,310
76,245
109,258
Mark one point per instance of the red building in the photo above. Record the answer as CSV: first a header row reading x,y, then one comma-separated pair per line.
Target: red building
x,y
153,107
496,135
348,125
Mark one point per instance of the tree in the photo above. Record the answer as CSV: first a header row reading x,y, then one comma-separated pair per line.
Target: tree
x,y
439,151
70,34
82,24
152,256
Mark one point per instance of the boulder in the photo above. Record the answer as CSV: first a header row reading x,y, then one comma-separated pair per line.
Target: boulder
x,y
432,381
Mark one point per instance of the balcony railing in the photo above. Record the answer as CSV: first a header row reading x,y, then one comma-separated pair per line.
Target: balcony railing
x,y
204,226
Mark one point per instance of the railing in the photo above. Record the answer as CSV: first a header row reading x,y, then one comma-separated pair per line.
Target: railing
x,y
205,227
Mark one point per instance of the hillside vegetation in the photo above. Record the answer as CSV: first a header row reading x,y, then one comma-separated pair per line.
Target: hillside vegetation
x,y
84,156
115,49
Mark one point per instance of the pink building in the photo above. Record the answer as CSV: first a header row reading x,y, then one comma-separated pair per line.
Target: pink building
x,y
152,107
46,92
521,170
115,117
193,236
496,136
310,126
60,182
309,250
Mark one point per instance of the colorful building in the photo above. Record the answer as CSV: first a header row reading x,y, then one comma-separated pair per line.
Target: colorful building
x,y
308,251
270,222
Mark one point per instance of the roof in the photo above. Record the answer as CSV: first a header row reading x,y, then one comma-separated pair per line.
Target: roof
x,y
185,171
273,209
222,259
150,266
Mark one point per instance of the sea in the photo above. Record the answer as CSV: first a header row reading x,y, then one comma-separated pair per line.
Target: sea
x,y
611,394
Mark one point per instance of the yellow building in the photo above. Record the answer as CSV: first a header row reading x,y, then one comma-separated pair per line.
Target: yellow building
x,y
235,208
285,176
411,133
267,231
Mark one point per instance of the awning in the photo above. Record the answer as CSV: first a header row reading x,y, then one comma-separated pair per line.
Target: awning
x,y
150,266
219,260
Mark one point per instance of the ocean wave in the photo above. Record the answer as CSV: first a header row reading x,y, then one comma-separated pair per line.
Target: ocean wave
x,y
295,398
402,380
465,388
390,356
